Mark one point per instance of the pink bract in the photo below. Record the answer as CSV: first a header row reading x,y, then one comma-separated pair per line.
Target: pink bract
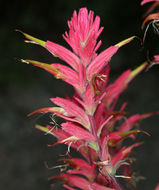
x,y
93,125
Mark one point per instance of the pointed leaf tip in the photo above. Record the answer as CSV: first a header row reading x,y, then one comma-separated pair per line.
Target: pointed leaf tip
x,y
120,44
32,39
42,128
137,70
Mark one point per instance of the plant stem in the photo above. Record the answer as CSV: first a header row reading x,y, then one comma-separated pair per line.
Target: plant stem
x,y
94,132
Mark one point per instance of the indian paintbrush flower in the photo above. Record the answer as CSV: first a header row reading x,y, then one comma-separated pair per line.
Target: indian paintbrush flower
x,y
91,124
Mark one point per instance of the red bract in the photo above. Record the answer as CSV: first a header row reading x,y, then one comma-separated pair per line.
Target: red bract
x,y
91,124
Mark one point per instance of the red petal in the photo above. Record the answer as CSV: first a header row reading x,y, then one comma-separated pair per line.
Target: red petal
x,y
78,132
73,110
100,61
67,74
64,54
74,181
115,89
121,155
133,120
42,110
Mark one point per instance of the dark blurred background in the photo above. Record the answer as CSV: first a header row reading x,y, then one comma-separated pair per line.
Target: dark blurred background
x,y
24,88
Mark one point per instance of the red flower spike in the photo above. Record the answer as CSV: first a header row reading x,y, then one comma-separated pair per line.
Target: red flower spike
x,y
83,34
91,124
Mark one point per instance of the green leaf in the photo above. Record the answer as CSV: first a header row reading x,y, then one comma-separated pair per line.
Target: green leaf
x,y
33,39
137,70
42,128
94,146
129,132
125,41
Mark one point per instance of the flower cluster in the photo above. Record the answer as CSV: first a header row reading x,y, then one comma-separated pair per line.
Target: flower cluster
x,y
93,126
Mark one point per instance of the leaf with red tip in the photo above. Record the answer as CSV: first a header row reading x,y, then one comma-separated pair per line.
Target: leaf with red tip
x,y
78,132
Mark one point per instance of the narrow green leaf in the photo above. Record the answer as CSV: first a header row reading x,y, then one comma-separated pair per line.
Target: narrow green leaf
x,y
33,39
137,70
125,41
93,145
129,132
42,128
